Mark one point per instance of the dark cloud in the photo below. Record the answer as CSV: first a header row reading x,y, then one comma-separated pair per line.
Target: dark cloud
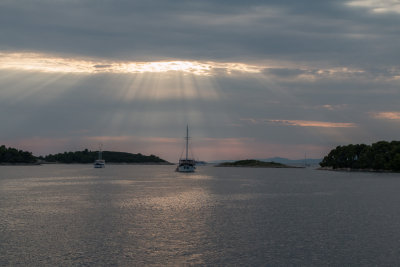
x,y
223,30
284,72
102,66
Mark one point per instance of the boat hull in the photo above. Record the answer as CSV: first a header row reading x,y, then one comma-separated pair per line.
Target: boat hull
x,y
185,168
99,164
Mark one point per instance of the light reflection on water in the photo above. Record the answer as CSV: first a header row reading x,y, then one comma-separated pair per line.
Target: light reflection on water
x,y
150,215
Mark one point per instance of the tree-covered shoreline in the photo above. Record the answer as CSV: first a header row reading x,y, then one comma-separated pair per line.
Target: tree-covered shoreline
x,y
87,156
13,156
379,156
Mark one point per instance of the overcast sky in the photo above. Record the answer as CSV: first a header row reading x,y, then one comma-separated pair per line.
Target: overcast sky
x,y
252,79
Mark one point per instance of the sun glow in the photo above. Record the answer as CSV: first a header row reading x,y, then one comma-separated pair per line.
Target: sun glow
x,y
322,124
378,6
390,115
46,63
303,123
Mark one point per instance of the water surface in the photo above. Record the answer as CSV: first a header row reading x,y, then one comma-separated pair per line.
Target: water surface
x,y
124,215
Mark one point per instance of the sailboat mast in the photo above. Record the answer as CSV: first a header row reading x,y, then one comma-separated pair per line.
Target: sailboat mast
x,y
187,140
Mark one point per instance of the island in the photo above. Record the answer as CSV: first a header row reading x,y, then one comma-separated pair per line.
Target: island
x,y
114,157
379,156
253,163
13,156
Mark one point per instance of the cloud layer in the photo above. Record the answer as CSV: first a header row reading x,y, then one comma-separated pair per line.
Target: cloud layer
x,y
252,76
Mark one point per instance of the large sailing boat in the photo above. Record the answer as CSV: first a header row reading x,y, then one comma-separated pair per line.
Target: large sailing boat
x,y
100,163
186,164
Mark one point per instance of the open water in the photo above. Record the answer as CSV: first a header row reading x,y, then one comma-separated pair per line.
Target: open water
x,y
125,215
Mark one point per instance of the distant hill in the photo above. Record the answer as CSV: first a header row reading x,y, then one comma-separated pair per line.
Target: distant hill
x,y
87,156
296,162
252,163
292,162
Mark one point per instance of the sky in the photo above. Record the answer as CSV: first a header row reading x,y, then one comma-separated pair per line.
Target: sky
x,y
252,79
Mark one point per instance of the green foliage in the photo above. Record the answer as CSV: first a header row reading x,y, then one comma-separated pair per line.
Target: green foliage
x,y
87,156
381,155
14,156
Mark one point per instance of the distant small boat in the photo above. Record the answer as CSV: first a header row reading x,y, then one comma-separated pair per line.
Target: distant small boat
x,y
186,164
100,163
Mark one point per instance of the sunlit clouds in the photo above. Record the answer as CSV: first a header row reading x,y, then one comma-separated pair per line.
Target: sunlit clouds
x,y
38,62
303,123
46,63
42,63
390,115
314,123
378,6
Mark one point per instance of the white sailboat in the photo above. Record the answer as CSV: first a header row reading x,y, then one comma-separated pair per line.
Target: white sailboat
x,y
186,164
100,163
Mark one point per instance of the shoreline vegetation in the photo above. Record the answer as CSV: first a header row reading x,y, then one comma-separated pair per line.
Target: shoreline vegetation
x,y
252,163
12,156
9,155
381,156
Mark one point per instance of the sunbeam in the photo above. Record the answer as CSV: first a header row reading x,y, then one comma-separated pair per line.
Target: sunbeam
x,y
111,99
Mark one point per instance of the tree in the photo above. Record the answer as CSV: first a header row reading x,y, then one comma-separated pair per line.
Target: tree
x,y
381,155
12,155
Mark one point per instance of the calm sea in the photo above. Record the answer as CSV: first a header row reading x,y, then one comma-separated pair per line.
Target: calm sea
x,y
75,215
